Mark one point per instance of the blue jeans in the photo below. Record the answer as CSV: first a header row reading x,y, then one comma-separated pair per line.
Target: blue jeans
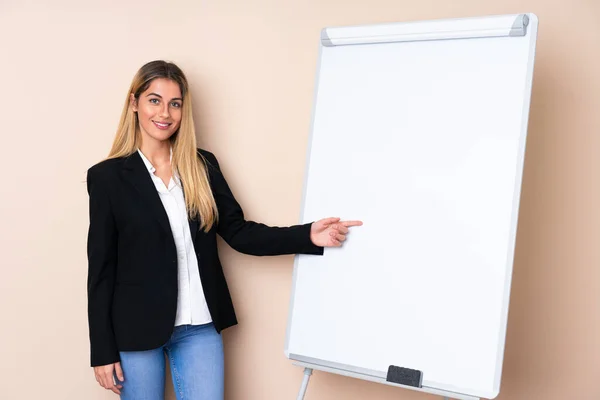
x,y
195,355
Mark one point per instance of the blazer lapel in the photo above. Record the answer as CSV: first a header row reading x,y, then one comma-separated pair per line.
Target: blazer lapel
x,y
192,222
135,171
193,228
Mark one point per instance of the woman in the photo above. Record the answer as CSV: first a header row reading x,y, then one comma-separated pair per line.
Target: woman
x,y
155,282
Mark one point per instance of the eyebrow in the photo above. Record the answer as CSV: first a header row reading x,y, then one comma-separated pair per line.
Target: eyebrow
x,y
158,95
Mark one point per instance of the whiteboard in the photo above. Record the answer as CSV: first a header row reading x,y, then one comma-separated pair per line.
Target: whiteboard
x,y
418,130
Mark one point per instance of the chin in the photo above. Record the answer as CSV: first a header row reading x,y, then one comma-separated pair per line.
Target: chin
x,y
166,136
162,136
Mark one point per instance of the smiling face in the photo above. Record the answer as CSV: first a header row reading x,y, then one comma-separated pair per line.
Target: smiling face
x,y
159,109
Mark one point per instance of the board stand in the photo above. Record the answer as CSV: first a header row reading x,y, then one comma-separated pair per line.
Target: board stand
x,y
307,374
309,367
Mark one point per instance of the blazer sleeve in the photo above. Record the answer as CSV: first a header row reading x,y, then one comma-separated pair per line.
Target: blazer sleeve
x,y
252,237
102,261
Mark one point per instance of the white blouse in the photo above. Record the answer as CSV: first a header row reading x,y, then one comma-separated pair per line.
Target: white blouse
x,y
191,303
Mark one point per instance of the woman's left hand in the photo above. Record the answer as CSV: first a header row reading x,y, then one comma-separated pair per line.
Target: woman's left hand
x,y
330,232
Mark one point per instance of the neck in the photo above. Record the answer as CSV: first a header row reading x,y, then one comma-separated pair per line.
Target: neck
x,y
156,151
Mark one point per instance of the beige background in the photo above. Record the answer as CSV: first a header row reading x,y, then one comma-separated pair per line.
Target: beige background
x,y
65,69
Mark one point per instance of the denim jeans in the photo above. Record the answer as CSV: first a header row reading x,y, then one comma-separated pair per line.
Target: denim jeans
x,y
195,355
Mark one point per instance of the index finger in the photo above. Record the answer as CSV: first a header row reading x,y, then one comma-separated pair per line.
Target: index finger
x,y
329,221
351,223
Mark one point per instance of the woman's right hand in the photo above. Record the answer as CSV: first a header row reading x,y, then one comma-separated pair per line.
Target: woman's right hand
x,y
105,376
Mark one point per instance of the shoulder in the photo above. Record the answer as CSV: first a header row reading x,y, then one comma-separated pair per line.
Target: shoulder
x,y
105,169
209,158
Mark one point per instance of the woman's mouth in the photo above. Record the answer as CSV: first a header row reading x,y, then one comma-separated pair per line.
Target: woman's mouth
x,y
161,125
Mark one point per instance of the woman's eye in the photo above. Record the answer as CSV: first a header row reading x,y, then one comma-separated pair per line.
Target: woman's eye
x,y
154,101
175,104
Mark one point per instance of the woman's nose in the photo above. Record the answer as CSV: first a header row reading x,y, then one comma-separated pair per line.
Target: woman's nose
x,y
164,111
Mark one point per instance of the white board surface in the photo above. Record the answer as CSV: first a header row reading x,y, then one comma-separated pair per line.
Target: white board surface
x,y
424,142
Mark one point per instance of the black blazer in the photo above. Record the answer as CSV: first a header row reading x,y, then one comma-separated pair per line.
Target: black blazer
x,y
132,261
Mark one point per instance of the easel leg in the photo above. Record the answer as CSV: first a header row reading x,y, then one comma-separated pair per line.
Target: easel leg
x,y
307,374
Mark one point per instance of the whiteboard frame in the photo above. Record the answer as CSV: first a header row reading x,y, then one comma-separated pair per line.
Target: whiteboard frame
x,y
531,21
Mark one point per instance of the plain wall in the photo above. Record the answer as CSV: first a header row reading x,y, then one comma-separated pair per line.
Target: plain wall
x,y
65,69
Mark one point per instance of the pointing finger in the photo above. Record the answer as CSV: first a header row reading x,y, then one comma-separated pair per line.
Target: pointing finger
x,y
351,223
329,221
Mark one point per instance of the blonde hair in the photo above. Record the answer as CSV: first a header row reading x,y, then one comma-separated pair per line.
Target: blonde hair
x,y
199,199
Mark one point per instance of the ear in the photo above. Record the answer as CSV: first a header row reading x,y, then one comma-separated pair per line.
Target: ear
x,y
133,102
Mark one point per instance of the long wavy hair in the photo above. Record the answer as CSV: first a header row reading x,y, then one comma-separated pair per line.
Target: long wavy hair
x,y
186,162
